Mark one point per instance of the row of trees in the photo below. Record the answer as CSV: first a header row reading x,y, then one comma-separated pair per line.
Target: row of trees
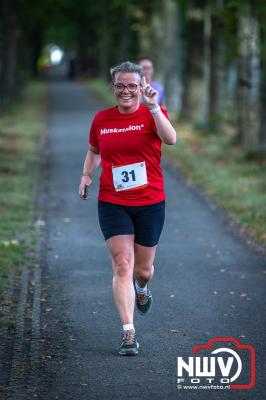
x,y
210,54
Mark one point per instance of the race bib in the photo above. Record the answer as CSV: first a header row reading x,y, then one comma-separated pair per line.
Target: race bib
x,y
130,176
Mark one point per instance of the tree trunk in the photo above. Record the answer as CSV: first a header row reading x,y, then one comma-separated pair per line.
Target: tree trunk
x,y
204,117
244,78
8,70
167,52
212,66
36,38
83,53
262,128
2,38
104,43
216,70
192,68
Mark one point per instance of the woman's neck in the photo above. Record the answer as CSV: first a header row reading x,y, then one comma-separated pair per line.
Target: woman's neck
x,y
127,110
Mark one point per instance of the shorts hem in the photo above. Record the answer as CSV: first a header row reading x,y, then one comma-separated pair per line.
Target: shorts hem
x,y
107,237
147,245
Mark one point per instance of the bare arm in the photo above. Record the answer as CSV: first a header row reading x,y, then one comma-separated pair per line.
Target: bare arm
x,y
91,163
165,130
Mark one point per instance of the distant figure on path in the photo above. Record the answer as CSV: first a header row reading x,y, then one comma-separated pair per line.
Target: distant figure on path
x,y
127,140
72,67
148,69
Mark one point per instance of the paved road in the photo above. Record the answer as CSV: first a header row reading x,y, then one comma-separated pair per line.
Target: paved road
x,y
207,284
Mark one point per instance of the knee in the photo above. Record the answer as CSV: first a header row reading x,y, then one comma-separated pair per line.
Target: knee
x,y
122,266
144,272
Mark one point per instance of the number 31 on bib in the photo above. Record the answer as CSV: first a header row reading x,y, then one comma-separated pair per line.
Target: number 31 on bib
x,y
131,176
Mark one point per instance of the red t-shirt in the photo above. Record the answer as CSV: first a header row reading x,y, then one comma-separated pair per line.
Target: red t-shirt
x,y
125,139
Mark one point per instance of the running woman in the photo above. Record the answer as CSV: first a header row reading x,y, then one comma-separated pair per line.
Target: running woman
x,y
126,140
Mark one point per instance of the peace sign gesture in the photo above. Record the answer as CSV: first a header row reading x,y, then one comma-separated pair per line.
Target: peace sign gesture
x,y
149,95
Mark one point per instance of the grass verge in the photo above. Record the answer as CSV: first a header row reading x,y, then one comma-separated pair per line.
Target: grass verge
x,y
237,184
102,90
221,168
20,130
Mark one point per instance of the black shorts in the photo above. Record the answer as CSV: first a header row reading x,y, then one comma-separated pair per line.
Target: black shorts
x,y
145,222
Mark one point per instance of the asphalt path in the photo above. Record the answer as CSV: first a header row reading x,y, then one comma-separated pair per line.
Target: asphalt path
x,y
208,282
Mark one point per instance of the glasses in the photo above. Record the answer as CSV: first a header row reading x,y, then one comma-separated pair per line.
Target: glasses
x,y
131,87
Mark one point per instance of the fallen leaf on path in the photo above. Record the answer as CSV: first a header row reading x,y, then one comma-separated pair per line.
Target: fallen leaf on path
x,y
173,331
47,357
40,223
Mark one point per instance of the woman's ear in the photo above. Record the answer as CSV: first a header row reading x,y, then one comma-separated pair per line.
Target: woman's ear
x,y
112,88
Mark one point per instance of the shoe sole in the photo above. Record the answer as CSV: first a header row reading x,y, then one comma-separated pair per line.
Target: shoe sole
x,y
139,311
135,353
147,312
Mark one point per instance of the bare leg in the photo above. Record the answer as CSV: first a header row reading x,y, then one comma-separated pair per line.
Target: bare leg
x,y
122,252
144,258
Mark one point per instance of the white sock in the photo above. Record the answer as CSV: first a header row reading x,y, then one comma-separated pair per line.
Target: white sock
x,y
140,290
127,327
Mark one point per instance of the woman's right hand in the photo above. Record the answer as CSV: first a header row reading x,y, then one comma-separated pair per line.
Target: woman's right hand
x,y
85,181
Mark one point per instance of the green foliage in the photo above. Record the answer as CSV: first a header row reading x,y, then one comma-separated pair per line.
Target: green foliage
x,y
223,171
102,89
21,127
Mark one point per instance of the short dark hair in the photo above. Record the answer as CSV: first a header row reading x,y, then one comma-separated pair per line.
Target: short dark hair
x,y
126,66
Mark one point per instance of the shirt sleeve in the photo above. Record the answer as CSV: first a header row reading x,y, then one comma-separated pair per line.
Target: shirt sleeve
x,y
93,137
